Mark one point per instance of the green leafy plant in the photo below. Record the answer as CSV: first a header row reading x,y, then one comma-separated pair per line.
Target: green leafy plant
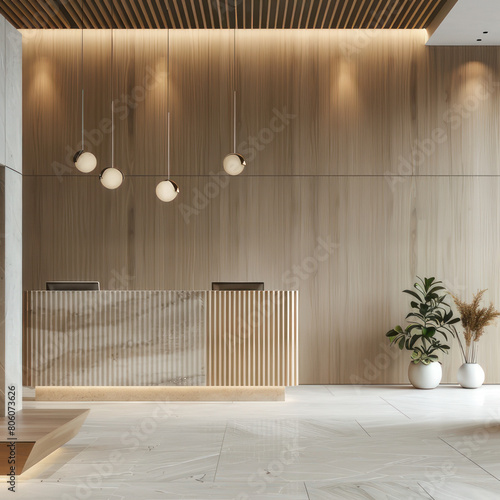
x,y
429,321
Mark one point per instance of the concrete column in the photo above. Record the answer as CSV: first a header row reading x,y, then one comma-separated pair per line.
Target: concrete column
x,y
11,195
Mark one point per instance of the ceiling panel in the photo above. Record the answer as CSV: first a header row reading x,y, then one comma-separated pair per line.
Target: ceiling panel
x,y
468,22
217,14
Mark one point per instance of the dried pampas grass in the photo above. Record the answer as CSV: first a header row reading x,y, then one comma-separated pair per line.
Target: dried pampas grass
x,y
474,320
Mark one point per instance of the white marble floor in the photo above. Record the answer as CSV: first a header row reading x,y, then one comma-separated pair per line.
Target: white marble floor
x,y
323,442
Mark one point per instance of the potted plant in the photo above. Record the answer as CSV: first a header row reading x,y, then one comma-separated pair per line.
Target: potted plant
x,y
474,320
429,322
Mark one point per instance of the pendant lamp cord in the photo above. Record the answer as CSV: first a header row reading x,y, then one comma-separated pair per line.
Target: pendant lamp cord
x,y
234,124
168,104
234,92
168,145
83,91
112,102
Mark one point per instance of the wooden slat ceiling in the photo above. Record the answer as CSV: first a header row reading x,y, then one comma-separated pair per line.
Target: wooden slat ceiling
x,y
208,14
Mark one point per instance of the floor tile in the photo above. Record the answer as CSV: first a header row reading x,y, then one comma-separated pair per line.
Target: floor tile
x,y
366,442
460,490
260,490
366,491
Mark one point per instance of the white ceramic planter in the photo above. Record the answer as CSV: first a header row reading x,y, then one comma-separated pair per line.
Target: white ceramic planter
x,y
425,376
470,376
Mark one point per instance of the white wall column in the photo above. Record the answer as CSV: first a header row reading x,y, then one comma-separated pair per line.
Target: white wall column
x,y
11,195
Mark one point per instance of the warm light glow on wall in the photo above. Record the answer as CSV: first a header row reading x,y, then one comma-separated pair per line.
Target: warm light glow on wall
x,y
345,91
43,83
347,79
471,84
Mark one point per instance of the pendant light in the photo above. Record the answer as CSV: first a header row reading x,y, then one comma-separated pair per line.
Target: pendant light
x,y
234,163
167,190
111,177
84,161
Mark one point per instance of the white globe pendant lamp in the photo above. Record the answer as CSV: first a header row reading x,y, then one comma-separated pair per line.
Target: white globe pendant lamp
x,y
84,161
234,163
167,190
111,177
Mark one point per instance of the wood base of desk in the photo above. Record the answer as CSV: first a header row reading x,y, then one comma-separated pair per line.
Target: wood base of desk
x,y
38,433
159,393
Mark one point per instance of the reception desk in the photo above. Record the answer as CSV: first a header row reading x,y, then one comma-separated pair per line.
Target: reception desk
x,y
161,338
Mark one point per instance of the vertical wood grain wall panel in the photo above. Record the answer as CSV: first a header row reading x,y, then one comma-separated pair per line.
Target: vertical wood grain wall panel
x,y
463,248
348,136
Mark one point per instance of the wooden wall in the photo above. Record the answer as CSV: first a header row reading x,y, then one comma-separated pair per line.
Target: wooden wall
x,y
371,159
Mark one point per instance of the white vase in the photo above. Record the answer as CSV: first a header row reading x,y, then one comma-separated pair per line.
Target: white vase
x,y
470,376
425,376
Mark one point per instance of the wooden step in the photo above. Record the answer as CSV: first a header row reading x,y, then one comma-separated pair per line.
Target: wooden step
x,y
37,434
